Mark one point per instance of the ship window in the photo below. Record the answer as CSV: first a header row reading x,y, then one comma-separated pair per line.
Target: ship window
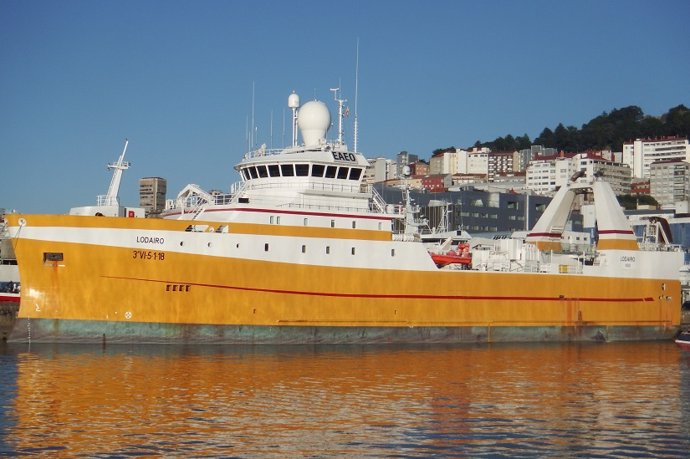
x,y
244,174
304,249
355,173
287,170
353,250
380,226
278,220
263,172
317,170
332,223
330,171
273,170
354,224
266,247
253,173
306,221
342,172
328,250
301,170
392,252
271,219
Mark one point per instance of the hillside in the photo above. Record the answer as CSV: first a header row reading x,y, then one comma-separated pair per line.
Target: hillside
x,y
606,131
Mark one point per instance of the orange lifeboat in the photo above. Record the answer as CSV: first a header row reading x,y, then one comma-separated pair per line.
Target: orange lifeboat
x,y
461,256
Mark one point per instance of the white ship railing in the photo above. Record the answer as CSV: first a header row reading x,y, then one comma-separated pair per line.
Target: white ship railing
x,y
329,145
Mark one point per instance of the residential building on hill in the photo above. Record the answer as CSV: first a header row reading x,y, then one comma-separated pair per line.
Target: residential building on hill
x,y
545,175
499,163
641,153
669,182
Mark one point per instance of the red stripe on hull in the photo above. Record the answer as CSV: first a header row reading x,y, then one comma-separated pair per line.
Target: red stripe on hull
x,y
400,296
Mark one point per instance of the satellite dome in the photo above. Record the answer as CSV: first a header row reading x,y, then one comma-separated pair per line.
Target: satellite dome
x,y
314,119
293,100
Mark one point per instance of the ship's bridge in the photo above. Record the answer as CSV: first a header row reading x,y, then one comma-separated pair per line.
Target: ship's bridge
x,y
316,173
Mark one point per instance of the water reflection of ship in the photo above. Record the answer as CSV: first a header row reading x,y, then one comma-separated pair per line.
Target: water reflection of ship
x,y
532,400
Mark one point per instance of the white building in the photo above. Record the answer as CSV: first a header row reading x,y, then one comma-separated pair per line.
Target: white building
x,y
618,175
643,152
444,163
545,176
475,161
379,170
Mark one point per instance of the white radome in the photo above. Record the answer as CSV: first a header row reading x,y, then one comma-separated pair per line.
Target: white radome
x,y
314,119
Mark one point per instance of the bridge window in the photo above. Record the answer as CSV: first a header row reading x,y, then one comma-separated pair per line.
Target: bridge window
x,y
253,173
273,170
317,170
355,173
287,170
302,170
342,172
263,172
330,171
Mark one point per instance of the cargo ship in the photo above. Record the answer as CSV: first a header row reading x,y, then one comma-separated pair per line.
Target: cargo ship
x,y
303,251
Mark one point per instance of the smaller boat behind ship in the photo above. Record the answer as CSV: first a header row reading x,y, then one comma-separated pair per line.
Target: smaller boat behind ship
x,y
683,339
9,283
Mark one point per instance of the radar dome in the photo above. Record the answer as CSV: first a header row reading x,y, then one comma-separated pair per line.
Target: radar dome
x,y
314,119
293,100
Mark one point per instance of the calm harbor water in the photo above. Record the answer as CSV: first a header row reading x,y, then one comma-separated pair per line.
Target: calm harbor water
x,y
556,400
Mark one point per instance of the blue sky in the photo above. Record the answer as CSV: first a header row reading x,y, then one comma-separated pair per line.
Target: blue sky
x,y
176,77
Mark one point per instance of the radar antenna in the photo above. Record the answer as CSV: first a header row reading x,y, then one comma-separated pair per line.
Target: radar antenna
x,y
341,114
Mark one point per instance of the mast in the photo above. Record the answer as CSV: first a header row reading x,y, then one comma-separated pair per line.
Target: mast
x,y
112,199
293,104
356,126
